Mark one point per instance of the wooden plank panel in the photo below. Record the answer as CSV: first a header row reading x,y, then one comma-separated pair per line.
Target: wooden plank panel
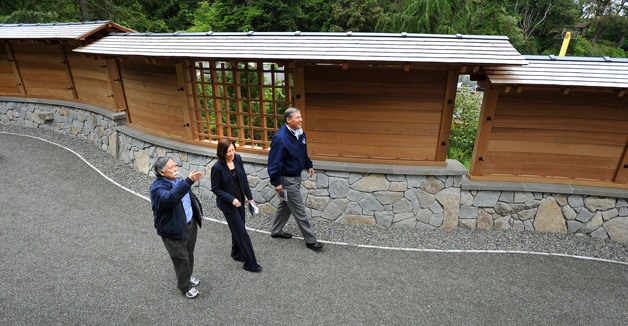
x,y
52,93
153,106
86,73
165,119
548,96
566,160
560,136
549,171
553,123
382,89
387,140
378,152
377,102
374,115
398,128
557,148
167,130
565,110
414,78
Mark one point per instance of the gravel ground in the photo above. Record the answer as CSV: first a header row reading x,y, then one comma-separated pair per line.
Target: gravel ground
x,y
502,240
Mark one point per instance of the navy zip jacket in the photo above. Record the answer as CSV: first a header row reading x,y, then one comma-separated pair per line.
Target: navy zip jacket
x,y
287,156
168,211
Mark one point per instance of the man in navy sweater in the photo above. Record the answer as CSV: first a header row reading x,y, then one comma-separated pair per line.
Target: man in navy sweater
x,y
286,160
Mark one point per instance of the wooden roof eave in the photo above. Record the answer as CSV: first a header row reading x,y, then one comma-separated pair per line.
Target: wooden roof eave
x,y
111,26
564,89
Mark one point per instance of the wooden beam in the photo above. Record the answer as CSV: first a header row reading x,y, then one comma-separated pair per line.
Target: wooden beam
x,y
215,98
196,99
16,70
621,175
238,94
191,131
447,116
117,88
483,135
299,91
68,72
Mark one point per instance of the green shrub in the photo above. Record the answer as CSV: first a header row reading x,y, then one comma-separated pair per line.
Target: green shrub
x,y
464,127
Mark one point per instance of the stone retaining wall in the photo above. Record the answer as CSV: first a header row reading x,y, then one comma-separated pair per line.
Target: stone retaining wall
x,y
81,121
433,200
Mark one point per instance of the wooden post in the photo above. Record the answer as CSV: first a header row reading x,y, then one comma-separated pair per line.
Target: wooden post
x,y
238,95
16,70
115,81
299,91
215,96
262,105
621,175
184,87
485,125
68,72
447,115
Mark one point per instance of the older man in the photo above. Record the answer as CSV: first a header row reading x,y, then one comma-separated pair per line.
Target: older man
x,y
286,160
177,213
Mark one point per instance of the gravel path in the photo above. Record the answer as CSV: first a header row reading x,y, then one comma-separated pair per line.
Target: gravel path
x,y
499,240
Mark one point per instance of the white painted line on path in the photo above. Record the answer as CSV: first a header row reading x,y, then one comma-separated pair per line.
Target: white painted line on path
x,y
341,243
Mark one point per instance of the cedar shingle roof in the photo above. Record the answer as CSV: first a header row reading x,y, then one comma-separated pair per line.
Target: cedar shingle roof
x,y
339,47
563,71
56,31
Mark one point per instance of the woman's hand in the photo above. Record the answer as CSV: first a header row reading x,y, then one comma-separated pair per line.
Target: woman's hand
x,y
236,202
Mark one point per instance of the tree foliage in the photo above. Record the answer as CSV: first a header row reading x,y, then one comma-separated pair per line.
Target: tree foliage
x,y
533,26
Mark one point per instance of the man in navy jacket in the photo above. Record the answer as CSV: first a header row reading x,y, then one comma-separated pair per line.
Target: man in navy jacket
x,y
177,212
286,160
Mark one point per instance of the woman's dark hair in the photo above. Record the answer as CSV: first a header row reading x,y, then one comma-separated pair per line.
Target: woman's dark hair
x,y
223,147
159,165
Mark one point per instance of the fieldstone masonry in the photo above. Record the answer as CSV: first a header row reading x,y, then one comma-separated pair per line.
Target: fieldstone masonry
x,y
89,123
388,200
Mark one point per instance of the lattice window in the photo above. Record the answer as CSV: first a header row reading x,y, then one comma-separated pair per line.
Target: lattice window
x,y
244,101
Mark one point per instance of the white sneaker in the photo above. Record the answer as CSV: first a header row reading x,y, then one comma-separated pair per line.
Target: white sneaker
x,y
192,293
194,281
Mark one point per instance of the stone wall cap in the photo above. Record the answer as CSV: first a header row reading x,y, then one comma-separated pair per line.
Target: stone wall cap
x,y
119,117
453,167
543,187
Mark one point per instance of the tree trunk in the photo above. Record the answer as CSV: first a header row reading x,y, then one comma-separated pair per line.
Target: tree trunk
x,y
83,9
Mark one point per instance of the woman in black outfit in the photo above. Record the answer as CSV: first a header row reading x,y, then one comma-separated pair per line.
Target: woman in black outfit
x,y
230,185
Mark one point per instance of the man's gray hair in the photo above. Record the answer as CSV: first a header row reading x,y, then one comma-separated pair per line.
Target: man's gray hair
x,y
289,112
160,165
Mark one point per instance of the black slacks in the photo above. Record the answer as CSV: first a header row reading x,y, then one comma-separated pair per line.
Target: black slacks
x,y
241,245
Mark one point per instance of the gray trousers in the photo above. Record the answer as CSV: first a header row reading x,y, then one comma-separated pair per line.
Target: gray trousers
x,y
293,205
182,255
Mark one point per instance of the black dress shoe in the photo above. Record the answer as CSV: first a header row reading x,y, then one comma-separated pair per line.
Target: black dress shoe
x,y
255,270
284,235
316,246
